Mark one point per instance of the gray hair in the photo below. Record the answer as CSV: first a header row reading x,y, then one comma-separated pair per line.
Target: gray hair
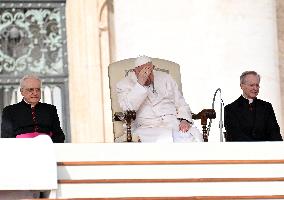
x,y
244,74
29,76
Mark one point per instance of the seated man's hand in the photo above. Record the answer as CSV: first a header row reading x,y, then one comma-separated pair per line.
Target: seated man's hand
x,y
144,74
184,126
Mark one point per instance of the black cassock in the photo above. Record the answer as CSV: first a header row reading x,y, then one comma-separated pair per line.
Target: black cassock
x,y
18,119
251,122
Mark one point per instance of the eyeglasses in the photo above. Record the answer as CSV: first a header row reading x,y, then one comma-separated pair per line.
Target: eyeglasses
x,y
31,90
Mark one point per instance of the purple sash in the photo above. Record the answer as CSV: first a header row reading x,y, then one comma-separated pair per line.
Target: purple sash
x,y
32,135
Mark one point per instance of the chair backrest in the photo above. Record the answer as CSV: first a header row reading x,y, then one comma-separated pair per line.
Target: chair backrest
x,y
119,69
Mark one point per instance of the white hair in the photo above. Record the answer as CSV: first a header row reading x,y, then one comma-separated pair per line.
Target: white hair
x,y
29,76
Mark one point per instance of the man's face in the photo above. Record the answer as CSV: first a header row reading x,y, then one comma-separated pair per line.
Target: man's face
x,y
250,86
31,91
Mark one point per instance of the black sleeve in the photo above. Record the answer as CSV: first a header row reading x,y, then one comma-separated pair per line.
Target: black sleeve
x,y
57,133
232,126
6,125
228,124
273,129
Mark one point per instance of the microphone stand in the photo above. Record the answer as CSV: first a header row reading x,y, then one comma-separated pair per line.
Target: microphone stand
x,y
221,118
221,114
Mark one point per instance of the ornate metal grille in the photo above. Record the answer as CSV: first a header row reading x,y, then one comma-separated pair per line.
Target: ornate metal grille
x,y
33,40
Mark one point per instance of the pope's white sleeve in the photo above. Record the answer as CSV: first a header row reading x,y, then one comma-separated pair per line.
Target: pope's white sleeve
x,y
130,97
183,109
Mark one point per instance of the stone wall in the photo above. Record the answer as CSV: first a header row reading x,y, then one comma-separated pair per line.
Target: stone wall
x,y
280,26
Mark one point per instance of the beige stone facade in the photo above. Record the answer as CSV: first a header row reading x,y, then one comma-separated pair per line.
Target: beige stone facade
x,y
89,56
280,27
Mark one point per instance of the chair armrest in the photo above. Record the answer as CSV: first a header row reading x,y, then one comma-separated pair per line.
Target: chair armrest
x,y
203,116
126,117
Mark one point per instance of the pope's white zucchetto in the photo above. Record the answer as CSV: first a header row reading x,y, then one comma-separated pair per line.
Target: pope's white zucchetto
x,y
141,60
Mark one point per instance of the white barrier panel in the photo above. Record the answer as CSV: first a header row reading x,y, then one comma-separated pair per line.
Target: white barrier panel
x,y
27,164
254,169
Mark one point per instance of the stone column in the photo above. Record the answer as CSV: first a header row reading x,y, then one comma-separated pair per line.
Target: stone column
x,y
280,26
85,73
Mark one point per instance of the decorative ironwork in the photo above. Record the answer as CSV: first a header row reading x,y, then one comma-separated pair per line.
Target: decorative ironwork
x,y
31,40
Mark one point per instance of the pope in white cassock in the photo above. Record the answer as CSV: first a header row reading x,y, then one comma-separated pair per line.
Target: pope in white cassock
x,y
162,115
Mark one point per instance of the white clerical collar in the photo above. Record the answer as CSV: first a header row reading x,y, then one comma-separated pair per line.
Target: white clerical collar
x,y
28,103
250,100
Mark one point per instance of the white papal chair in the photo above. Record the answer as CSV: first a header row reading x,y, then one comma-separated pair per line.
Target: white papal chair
x,y
117,71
